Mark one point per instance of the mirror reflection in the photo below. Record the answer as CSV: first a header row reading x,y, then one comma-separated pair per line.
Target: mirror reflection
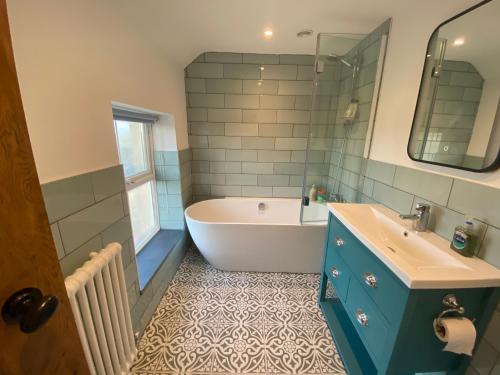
x,y
457,120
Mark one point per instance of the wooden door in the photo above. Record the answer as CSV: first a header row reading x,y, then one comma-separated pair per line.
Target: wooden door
x,y
27,252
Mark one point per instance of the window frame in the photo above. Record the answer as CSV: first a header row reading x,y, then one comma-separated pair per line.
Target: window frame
x,y
135,181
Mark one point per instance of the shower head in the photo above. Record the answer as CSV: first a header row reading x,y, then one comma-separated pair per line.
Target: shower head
x,y
335,57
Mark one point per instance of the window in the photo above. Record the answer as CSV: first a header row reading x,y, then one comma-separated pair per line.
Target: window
x,y
133,134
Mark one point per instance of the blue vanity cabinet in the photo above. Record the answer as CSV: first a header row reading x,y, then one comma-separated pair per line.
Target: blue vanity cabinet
x,y
379,325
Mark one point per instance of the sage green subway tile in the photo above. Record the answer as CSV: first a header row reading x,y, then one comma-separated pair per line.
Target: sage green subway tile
x,y
273,180
367,186
433,187
120,231
287,192
224,115
242,101
477,200
200,58
277,102
257,191
209,154
241,129
279,72
273,156
132,295
259,115
224,86
223,57
301,131
218,141
76,258
257,168
57,241
125,203
174,200
293,117
79,227
450,92
304,102
297,181
107,182
206,100
291,143
295,88
167,172
202,166
64,197
490,249
257,58
204,70
242,71
201,189
275,130
472,94
466,79
198,141
197,114
313,156
257,143
305,72
195,85
260,87
207,128
393,198
456,66
289,168
131,275
484,357
241,179
297,59
225,191
241,155
209,178
225,167
173,187
380,171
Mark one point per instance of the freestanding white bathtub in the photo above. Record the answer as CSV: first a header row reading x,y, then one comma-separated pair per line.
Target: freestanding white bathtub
x,y
234,234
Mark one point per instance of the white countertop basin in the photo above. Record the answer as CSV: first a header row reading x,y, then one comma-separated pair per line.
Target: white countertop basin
x,y
422,260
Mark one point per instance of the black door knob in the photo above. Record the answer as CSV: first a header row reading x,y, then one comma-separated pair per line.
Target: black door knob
x,y
29,308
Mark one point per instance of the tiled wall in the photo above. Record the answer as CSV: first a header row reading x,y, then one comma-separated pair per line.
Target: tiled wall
x,y
173,184
248,127
88,211
401,188
457,100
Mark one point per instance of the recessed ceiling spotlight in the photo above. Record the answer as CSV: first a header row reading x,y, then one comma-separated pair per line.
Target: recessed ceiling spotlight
x,y
268,33
304,33
458,41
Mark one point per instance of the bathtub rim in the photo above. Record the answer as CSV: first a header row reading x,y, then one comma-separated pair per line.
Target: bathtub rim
x,y
299,223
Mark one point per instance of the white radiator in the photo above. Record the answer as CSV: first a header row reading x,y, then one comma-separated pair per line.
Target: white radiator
x,y
98,297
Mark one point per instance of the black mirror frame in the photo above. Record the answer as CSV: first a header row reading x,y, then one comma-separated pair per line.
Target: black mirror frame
x,y
493,166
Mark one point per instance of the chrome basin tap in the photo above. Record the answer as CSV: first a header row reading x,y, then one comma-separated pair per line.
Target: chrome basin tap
x,y
421,218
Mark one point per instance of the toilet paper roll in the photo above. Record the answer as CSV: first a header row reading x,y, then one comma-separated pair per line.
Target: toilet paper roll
x,y
458,333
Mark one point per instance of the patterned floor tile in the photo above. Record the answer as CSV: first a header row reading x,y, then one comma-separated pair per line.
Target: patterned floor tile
x,y
212,322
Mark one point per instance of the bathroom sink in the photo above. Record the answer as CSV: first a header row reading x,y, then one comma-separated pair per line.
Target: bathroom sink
x,y
419,259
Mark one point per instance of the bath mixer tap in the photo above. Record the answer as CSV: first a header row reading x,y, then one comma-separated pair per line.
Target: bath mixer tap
x,y
421,218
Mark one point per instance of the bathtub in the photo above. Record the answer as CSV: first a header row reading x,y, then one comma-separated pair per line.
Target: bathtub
x,y
233,234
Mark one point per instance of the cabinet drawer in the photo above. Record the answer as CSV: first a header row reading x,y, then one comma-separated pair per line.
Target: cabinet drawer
x,y
337,272
368,321
383,287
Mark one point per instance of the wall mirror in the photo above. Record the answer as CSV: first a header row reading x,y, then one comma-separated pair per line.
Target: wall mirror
x,y
457,118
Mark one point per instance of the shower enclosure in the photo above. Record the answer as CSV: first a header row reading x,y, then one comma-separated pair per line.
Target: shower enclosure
x,y
347,77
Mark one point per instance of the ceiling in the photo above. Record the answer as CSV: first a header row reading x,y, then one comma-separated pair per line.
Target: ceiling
x,y
182,29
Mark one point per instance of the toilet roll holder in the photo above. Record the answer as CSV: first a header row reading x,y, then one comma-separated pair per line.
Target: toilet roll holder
x,y
450,301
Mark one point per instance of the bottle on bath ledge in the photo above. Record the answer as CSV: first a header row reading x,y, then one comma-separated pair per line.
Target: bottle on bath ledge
x,y
464,239
313,193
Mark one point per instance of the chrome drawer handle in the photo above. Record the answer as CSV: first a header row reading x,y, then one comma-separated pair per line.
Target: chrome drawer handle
x,y
335,272
339,241
370,279
361,317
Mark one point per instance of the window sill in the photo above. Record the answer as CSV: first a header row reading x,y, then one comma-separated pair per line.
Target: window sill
x,y
151,257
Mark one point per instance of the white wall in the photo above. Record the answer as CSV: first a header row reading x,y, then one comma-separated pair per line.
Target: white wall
x,y
402,72
73,59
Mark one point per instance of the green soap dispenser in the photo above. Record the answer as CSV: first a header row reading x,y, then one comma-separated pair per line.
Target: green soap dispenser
x,y
464,238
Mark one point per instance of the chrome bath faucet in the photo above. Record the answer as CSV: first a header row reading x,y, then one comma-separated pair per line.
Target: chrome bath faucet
x,y
421,218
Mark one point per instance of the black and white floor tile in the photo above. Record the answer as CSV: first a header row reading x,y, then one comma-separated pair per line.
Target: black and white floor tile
x,y
216,322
